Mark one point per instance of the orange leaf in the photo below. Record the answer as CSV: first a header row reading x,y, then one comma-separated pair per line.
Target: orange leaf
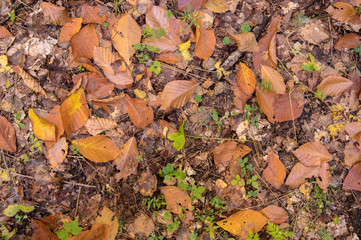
x,y
266,102
184,5
127,161
42,129
125,34
70,29
74,111
97,232
58,152
228,152
342,11
353,179
7,135
275,173
246,42
299,173
334,85
350,40
95,84
287,109
273,76
115,70
83,43
169,57
54,117
275,214
156,18
97,125
352,154
140,114
29,81
205,40
325,175
40,231
54,14
97,148
177,93
246,80
92,14
312,154
109,218
4,32
241,222
176,199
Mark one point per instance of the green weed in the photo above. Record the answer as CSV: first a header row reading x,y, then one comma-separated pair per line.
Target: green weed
x,y
218,120
226,40
154,202
311,65
196,192
155,237
320,95
252,236
301,19
237,181
12,15
189,17
155,67
18,119
199,98
277,233
70,229
265,85
245,28
244,166
251,115
35,144
178,138
168,172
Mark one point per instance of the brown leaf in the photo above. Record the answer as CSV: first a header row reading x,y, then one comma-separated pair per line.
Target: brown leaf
x,y
156,18
275,214
57,153
273,76
266,101
147,183
109,218
97,148
97,232
4,32
350,40
115,70
96,125
70,29
169,57
7,135
140,114
312,154
246,42
342,11
41,232
275,173
241,98
94,84
287,109
205,40
353,128
92,14
125,34
355,78
352,154
228,152
54,14
325,175
334,85
54,117
112,104
193,5
83,43
177,93
353,179
74,111
299,173
176,199
127,161
29,81
221,6
246,80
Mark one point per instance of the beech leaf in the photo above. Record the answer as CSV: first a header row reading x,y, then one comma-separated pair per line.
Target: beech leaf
x,y
70,29
205,40
92,14
228,152
287,109
4,32
275,173
266,102
176,199
353,128
42,129
341,11
140,114
54,14
312,154
96,125
127,161
57,153
83,43
350,40
275,214
7,135
177,93
271,75
246,42
334,85
300,173
246,80
191,5
353,179
29,81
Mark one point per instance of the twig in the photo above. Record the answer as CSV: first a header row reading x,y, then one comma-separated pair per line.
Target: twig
x,y
220,139
8,171
77,203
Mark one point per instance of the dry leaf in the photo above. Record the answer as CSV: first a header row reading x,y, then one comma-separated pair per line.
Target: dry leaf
x,y
352,154
176,199
42,129
97,232
325,175
40,231
334,85
273,76
74,111
94,84
221,6
275,173
54,14
147,183
275,214
54,117
193,5
96,125
140,114
246,42
109,218
29,81
169,57
287,109
353,128
127,161
353,179
205,40
312,154
97,148
241,222
228,152
342,11
355,78
92,14
7,135
57,153
246,80
70,29
350,40
4,32
266,101
177,93
125,34
299,173
83,43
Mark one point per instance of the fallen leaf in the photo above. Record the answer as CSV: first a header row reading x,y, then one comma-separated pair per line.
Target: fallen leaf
x,y
241,222
325,176
83,43
353,128
299,173
92,14
275,214
29,81
350,40
275,173
97,148
54,14
41,232
97,232
342,11
355,78
312,154
94,84
147,183
228,152
271,75
70,29
289,106
192,5
205,40
96,125
352,154
177,93
74,111
125,34
266,101
246,42
7,135
140,114
334,85
353,179
109,218
57,153
142,227
42,129
4,32
127,161
246,80
169,57
221,6
176,199
54,117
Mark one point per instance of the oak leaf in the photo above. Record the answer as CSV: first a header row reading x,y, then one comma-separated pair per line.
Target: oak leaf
x,y
54,14
312,154
177,93
42,129
127,161
334,85
353,179
7,135
246,42
57,153
246,80
205,40
140,114
275,173
275,214
176,199
70,29
271,75
83,43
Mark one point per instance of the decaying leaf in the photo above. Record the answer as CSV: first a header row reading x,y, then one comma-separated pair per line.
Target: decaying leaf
x,y
177,93
54,14
312,154
341,11
7,135
353,179
57,153
350,40
41,231
275,214
246,42
96,125
271,75
353,128
266,101
241,222
140,114
83,43
324,176
246,80
92,14
352,154
70,29
74,111
127,161
4,32
275,173
97,148
289,106
94,84
29,81
221,6
176,199
334,85
109,218
42,129
228,152
300,173
205,40
192,5
97,231
147,183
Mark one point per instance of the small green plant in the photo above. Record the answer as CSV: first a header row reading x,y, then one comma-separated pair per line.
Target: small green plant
x,y
155,237
70,229
252,236
12,209
238,181
144,50
320,95
178,138
174,226
154,202
168,14
199,98
244,166
218,120
253,181
5,233
217,204
150,32
196,192
168,172
323,233
245,28
140,159
211,229
277,233
18,119
80,68
189,17
25,158
252,193
74,149
357,49
321,200
336,220
155,67
311,65
19,218
193,236
116,4
226,40
35,144
12,15
265,85
250,114
105,24
358,10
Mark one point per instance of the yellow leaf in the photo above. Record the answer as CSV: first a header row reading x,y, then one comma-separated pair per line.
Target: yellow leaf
x,y
42,129
184,49
4,64
140,94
